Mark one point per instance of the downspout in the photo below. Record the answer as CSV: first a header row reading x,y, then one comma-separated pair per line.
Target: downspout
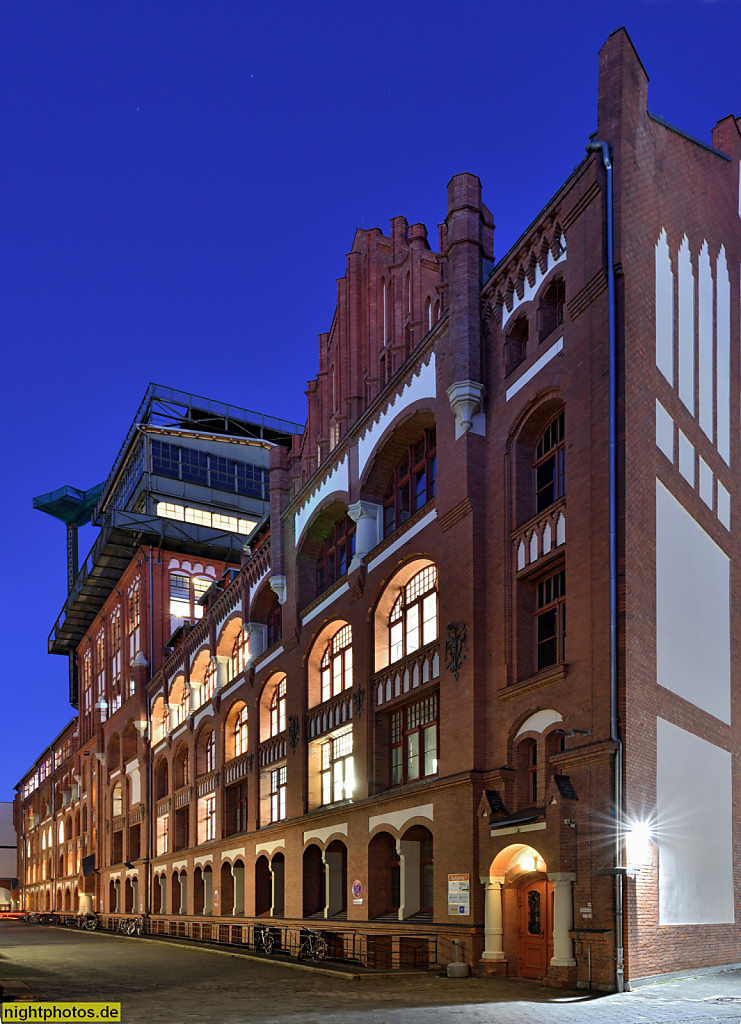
x,y
604,149
150,779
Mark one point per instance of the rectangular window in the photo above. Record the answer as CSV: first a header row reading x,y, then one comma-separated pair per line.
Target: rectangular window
x,y
163,835
194,466
338,773
200,586
278,779
550,621
179,595
222,473
413,742
210,817
165,459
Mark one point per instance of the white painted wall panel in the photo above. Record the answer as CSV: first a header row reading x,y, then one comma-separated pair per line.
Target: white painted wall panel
x,y
723,328
705,340
693,830
664,309
686,313
693,625
664,432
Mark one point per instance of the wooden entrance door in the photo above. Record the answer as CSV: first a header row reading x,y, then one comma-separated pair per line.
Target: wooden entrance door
x,y
535,928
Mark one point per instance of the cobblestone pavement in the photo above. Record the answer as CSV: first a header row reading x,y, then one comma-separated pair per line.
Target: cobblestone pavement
x,y
160,983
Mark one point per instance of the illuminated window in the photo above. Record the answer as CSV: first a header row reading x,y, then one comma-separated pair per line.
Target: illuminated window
x,y
114,635
200,586
240,733
412,484
203,517
278,779
87,682
100,664
336,665
413,618
240,653
210,817
179,595
414,742
209,682
163,834
209,750
338,778
278,709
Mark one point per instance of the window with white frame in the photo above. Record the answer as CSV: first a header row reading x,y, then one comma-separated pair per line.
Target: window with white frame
x,y
115,659
209,682
163,834
337,771
134,621
413,618
240,732
100,665
336,664
278,708
278,783
240,653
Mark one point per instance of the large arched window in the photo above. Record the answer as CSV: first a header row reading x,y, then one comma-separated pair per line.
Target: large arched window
x,y
549,466
413,618
278,708
335,554
336,664
412,484
239,653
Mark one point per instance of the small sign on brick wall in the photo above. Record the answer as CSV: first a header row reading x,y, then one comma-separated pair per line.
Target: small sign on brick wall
x,y
459,895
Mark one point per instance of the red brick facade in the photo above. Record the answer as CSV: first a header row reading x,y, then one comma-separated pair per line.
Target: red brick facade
x,y
476,713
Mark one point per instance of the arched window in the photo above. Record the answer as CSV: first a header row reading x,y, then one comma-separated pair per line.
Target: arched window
x,y
549,465
412,484
278,708
185,704
515,346
273,623
239,653
209,681
240,733
210,752
413,618
335,554
336,664
550,311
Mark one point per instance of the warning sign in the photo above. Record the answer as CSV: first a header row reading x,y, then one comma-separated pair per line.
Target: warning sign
x,y
459,895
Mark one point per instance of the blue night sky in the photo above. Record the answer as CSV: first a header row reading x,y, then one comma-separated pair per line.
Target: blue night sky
x,y
181,182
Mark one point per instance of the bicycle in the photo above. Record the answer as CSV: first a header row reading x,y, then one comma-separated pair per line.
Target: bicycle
x,y
87,921
264,940
134,926
313,946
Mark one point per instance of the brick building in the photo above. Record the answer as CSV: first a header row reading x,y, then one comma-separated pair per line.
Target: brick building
x,y
381,723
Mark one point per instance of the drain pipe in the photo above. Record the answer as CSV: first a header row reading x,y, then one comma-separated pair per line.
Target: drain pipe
x,y
604,149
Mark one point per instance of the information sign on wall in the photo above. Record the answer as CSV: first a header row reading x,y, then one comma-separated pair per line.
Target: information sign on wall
x,y
459,895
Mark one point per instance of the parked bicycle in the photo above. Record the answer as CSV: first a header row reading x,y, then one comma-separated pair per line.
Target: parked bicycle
x,y
264,940
134,926
313,946
87,921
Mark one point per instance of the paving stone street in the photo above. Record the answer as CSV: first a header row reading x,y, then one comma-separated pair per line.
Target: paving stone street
x,y
161,983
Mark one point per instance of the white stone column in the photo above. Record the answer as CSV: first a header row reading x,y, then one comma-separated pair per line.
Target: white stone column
x,y
238,875
221,661
257,635
409,883
86,903
493,928
563,918
367,517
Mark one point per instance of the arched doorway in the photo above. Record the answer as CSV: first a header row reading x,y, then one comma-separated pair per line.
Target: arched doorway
x,y
535,927
521,918
314,883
